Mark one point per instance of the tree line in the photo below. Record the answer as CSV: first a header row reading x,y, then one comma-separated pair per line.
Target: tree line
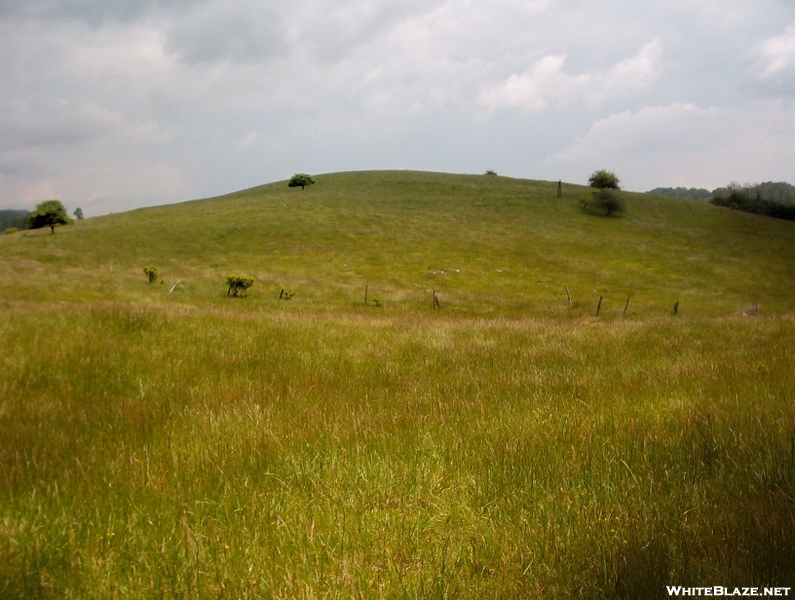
x,y
13,219
771,199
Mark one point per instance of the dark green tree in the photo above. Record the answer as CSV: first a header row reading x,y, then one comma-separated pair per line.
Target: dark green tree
x,y
49,213
300,179
604,179
78,213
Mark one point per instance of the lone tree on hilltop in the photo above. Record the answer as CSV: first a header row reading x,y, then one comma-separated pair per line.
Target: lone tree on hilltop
x,y
78,213
49,213
604,179
300,179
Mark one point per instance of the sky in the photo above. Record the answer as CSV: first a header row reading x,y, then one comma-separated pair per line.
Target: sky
x,y
119,104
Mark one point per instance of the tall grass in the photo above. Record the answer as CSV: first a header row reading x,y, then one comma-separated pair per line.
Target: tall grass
x,y
211,453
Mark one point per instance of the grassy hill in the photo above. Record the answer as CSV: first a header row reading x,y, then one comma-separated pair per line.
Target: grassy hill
x,y
188,445
488,244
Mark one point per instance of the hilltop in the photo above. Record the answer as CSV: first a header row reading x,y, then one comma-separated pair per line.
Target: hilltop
x,y
488,245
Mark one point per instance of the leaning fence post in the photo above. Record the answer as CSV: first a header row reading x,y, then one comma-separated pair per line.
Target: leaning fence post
x,y
626,306
599,306
568,295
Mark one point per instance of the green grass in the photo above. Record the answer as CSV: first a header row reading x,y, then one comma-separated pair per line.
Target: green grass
x,y
190,445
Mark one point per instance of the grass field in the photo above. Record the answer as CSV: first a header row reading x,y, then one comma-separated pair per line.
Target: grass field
x,y
190,445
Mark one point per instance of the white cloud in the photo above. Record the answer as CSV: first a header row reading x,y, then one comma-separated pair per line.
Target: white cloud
x,y
547,83
684,144
778,54
248,139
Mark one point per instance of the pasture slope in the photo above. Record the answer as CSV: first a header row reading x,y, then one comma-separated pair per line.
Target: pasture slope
x,y
183,444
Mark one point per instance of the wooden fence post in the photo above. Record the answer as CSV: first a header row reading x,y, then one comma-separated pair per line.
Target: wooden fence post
x,y
626,306
599,305
568,295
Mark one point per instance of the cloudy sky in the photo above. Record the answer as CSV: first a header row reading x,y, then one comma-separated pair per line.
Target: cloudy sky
x,y
114,104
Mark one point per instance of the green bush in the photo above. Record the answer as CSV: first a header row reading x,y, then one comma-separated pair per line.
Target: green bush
x,y
604,179
11,230
238,284
151,273
608,200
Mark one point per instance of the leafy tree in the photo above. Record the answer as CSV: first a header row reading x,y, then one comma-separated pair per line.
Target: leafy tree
x,y
491,172
300,179
608,200
49,213
238,284
151,273
603,179
78,213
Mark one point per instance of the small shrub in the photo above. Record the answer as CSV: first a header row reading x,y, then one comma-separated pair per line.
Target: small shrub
x,y
238,284
490,172
608,200
151,273
11,230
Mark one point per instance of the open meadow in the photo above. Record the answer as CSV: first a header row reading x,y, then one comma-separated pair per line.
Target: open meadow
x,y
173,442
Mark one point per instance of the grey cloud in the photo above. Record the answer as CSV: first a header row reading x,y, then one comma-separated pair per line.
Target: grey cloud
x,y
243,33
247,30
60,122
338,28
93,12
253,90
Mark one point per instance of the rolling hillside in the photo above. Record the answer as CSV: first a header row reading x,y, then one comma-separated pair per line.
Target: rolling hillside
x,y
487,244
